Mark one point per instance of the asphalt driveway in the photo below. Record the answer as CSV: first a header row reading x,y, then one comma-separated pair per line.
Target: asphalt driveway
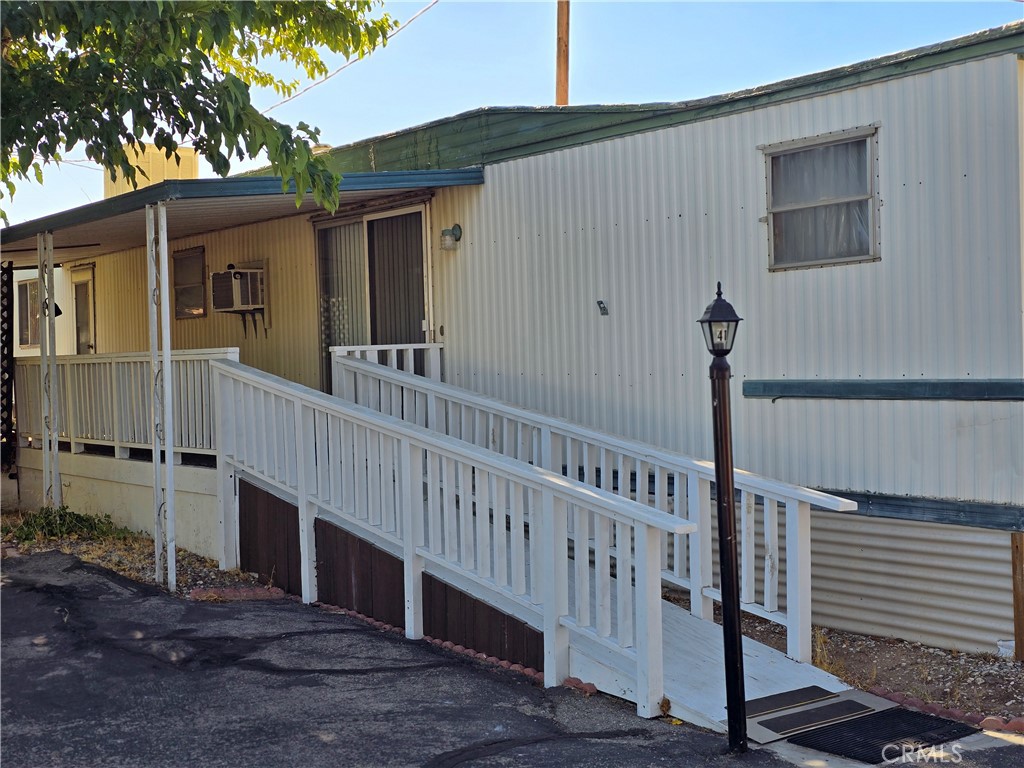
x,y
98,670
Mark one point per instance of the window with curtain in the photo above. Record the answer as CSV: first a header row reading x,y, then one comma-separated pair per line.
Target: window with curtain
x,y
822,203
189,284
28,313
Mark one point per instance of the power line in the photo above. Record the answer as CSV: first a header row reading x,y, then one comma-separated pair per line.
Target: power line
x,y
350,62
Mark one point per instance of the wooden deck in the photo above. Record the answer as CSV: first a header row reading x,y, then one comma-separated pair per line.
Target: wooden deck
x,y
694,666
695,669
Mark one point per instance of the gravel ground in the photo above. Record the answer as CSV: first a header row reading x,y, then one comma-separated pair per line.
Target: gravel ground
x,y
973,683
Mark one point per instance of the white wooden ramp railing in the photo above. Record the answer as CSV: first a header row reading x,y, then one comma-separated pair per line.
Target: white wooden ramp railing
x,y
106,400
773,517
490,525
424,359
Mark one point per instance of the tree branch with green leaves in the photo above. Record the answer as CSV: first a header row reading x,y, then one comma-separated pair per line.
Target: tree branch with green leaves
x,y
157,74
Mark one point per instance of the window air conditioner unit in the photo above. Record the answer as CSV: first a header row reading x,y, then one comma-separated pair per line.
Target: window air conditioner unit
x,y
238,290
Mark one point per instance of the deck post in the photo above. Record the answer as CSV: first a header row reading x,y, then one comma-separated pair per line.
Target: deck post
x,y
650,666
555,589
305,457
155,405
227,495
798,581
411,489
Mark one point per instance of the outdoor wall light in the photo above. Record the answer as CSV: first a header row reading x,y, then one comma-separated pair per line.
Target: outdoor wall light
x,y
451,237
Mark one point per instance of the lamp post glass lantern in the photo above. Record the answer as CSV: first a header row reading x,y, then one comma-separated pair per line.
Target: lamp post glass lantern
x,y
719,324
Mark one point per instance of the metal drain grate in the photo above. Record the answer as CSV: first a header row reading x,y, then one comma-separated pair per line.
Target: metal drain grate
x,y
883,736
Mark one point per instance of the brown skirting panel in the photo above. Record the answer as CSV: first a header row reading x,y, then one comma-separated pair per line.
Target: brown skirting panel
x,y
268,538
453,615
354,574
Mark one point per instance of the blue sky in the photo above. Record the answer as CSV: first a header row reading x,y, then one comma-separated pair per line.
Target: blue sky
x,y
462,55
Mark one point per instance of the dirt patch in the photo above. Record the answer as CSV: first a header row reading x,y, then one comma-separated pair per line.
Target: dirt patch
x,y
982,684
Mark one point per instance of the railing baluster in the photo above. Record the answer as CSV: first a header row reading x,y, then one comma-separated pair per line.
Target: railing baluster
x,y
624,584
482,508
771,555
581,561
499,495
602,576
451,537
698,507
518,536
466,507
337,460
434,504
747,523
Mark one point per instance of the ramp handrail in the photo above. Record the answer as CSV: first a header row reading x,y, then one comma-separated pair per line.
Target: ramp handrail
x,y
401,357
440,504
652,476
106,399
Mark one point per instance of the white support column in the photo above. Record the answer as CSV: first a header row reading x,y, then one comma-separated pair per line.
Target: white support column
x,y
168,397
798,580
52,490
156,404
650,664
305,457
411,485
555,586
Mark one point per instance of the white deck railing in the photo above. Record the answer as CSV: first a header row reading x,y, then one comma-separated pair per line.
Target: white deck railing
x,y
667,481
106,400
401,357
491,525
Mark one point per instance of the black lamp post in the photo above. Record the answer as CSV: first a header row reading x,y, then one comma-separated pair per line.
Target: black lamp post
x,y
719,324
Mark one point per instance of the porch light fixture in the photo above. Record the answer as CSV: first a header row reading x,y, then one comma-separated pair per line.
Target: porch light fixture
x,y
719,324
451,237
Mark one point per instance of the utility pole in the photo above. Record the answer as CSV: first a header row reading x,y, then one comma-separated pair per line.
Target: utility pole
x,y
562,56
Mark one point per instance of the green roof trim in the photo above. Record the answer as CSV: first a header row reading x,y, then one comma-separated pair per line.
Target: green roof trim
x,y
235,186
496,134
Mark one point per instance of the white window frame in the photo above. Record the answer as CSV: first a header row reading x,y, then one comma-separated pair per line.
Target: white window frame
x,y
25,311
870,135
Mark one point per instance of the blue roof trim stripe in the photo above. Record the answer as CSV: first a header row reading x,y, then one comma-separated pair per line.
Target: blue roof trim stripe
x,y
235,186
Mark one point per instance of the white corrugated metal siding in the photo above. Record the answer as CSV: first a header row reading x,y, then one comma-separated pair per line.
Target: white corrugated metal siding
x,y
943,585
649,223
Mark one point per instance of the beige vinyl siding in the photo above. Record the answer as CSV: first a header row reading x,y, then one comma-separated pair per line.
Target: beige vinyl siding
x,y
291,346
